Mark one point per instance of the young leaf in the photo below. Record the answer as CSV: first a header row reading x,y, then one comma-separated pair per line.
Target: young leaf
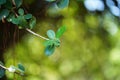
x,y
4,13
63,3
14,20
2,71
60,31
57,42
22,22
18,3
32,22
28,16
21,11
2,2
48,42
51,34
49,50
21,67
11,18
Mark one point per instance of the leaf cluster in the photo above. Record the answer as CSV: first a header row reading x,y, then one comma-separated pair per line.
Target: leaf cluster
x,y
54,40
22,20
8,12
7,6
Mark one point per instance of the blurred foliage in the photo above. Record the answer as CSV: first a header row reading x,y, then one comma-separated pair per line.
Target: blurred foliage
x,y
90,47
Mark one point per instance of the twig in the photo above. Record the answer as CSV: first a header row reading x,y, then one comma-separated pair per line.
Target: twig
x,y
13,2
3,67
36,34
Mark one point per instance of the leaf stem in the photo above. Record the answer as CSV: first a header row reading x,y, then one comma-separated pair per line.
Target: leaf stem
x,y
3,67
36,34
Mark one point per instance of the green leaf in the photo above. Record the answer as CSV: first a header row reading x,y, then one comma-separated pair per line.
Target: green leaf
x,y
51,34
4,13
21,11
2,2
49,50
8,4
28,16
57,42
21,67
22,22
60,31
2,71
15,21
63,3
32,22
10,17
18,3
49,42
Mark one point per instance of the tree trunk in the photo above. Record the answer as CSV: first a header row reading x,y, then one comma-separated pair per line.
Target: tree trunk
x,y
2,44
8,36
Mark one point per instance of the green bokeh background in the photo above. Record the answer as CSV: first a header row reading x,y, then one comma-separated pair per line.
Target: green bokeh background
x,y
90,47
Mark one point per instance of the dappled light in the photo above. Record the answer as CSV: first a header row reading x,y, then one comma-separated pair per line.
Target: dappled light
x,y
93,5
